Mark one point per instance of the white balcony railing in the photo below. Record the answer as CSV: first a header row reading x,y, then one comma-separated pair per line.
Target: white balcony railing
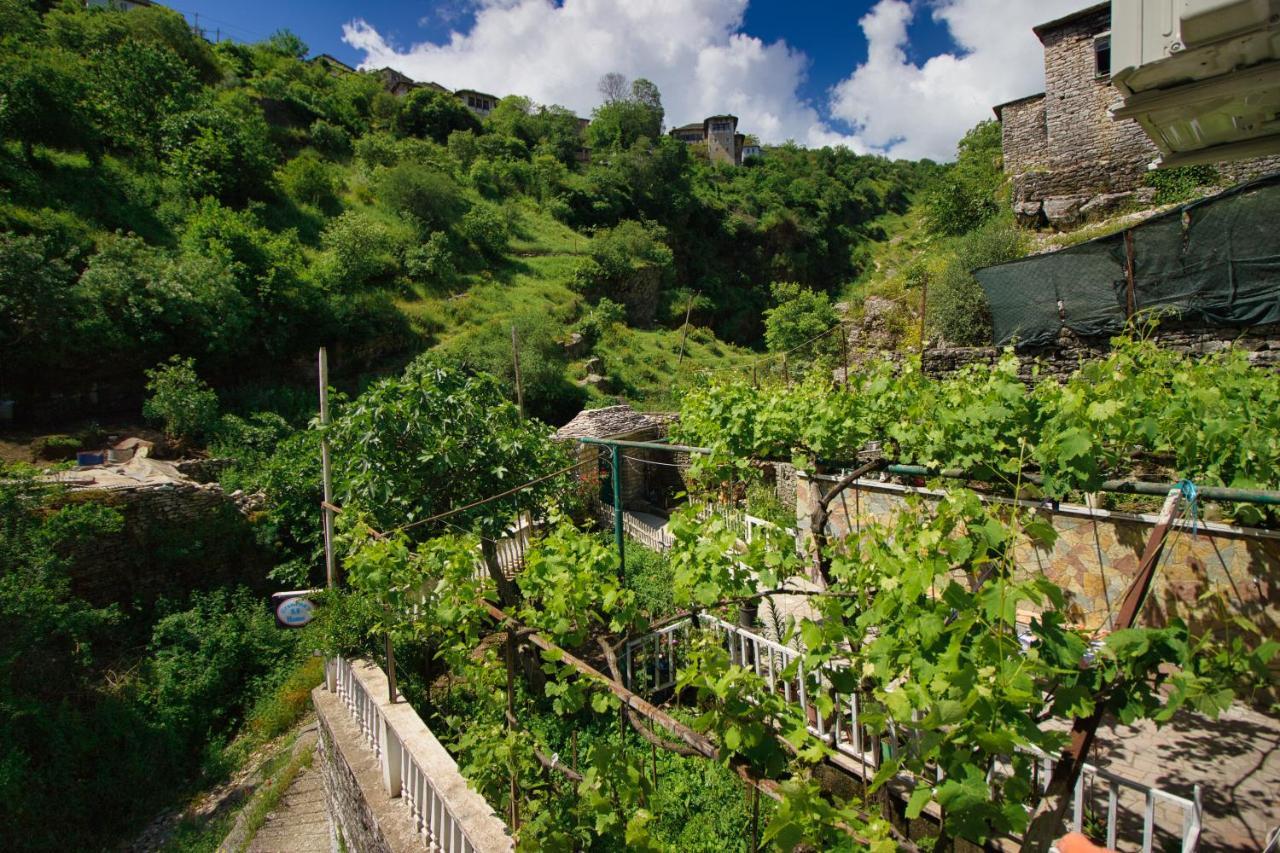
x,y
651,662
448,816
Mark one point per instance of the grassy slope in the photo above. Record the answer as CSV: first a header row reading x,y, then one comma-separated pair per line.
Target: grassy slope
x,y
535,276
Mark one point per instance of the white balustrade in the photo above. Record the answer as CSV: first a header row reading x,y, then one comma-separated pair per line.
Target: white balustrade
x,y
448,816
651,661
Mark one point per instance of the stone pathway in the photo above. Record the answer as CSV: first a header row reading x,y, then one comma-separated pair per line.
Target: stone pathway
x,y
1235,760
300,822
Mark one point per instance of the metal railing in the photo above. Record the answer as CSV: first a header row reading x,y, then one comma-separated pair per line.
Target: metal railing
x,y
448,816
651,663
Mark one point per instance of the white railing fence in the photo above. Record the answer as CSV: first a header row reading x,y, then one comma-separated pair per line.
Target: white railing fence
x,y
651,663
447,815
655,538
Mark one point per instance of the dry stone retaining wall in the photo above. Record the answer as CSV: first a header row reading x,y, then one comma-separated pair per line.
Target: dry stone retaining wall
x,y
1261,343
1097,553
176,537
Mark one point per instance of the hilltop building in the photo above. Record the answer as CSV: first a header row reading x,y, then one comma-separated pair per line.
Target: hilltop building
x,y
1069,160
335,66
480,103
720,136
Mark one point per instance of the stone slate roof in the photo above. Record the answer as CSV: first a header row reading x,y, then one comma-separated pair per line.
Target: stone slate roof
x,y
1041,29
606,422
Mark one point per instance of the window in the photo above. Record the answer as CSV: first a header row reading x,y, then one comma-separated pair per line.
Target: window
x,y
1102,55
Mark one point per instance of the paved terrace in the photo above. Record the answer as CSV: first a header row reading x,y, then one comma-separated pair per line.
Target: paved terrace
x,y
1235,759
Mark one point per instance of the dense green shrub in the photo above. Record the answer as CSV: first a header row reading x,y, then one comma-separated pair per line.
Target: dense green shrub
x,y
964,195
208,658
432,261
376,149
360,249
629,264
55,447
330,140
958,311
547,393
307,178
429,196
181,399
485,228
1181,183
221,148
44,101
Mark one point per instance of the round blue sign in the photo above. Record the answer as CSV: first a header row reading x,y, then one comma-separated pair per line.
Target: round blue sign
x,y
295,612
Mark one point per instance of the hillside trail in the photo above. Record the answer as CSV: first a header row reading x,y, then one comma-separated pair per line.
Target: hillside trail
x,y
300,821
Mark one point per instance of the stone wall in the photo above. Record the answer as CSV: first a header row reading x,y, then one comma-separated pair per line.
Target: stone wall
x,y
176,537
1023,136
360,812
1089,164
1262,343
1097,553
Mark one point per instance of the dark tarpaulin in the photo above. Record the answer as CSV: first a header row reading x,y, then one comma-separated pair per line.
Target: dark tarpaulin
x,y
1215,261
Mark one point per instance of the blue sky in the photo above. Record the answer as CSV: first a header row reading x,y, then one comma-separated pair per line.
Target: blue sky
x,y
902,77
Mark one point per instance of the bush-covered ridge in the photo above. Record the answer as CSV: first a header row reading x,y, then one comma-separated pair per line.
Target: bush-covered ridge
x,y
236,204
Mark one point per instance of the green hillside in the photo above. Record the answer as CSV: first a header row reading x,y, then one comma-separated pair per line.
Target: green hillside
x,y
240,205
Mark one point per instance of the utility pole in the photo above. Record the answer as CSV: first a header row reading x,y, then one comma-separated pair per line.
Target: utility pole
x,y
924,301
330,569
515,357
685,334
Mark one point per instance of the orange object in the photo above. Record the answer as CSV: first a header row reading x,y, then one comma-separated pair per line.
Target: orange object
x,y
1074,842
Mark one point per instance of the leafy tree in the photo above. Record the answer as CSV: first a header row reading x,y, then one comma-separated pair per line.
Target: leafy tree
x,y
799,315
181,399
435,438
35,297
964,195
286,43
428,114
612,87
620,122
222,148
137,85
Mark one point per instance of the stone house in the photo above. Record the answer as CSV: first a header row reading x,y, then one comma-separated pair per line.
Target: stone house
x,y
333,65
480,103
396,83
401,84
718,133
1068,159
649,480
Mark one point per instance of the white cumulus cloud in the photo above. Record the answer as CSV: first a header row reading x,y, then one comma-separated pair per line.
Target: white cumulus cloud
x,y
912,111
694,50
703,62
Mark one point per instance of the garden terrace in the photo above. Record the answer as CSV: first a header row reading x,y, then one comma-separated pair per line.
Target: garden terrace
x,y
926,654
